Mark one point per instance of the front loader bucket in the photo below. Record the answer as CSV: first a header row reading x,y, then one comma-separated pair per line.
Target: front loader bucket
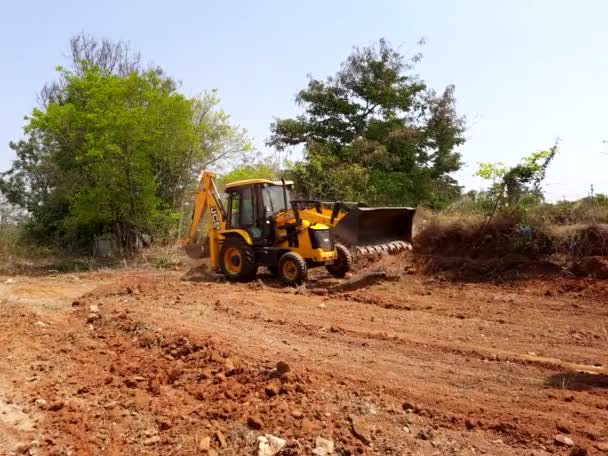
x,y
376,229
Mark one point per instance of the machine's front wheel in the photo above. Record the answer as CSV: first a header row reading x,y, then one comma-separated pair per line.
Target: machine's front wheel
x,y
237,260
343,263
292,268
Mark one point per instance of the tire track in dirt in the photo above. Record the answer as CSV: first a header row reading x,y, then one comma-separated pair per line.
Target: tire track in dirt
x,y
316,345
426,362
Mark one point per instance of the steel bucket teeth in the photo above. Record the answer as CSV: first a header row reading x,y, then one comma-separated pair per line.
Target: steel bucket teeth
x,y
390,248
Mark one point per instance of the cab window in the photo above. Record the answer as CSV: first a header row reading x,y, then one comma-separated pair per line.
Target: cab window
x,y
241,208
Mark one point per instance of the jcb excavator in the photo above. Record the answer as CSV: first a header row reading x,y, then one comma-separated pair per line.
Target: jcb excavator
x,y
262,226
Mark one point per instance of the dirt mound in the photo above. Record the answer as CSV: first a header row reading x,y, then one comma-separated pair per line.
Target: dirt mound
x,y
482,240
581,241
507,249
509,267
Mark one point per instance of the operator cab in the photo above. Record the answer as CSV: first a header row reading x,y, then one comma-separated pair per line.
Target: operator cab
x,y
253,203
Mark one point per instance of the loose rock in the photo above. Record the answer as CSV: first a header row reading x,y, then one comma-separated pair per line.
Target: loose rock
x,y
269,445
360,430
229,366
55,406
282,368
579,451
562,427
221,439
323,447
204,443
152,440
563,440
21,448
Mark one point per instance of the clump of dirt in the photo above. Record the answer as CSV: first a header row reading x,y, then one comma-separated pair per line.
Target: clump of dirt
x,y
187,387
393,263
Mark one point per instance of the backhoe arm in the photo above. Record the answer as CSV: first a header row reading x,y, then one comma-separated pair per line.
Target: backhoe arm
x,y
207,198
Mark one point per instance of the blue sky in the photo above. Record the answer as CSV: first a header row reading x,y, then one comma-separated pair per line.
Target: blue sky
x,y
525,71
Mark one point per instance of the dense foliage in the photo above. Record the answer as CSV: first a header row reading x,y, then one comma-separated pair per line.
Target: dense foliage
x,y
114,149
375,132
256,170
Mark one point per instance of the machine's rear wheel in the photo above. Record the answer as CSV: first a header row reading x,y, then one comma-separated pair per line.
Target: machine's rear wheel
x,y
343,263
292,268
237,260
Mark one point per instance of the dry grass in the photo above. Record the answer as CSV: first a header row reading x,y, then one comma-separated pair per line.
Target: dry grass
x,y
160,257
580,240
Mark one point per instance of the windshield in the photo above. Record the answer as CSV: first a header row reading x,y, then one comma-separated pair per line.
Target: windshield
x,y
273,198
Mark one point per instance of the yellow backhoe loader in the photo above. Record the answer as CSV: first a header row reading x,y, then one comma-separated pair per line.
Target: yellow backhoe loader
x,y
262,226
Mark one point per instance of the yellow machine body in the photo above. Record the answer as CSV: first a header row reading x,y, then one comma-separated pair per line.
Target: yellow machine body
x,y
261,226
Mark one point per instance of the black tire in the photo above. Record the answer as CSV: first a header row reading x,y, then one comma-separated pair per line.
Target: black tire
x,y
237,260
292,268
342,264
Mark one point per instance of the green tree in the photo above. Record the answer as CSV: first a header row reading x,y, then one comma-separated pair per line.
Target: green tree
x,y
375,131
256,170
115,140
515,189
115,148
219,144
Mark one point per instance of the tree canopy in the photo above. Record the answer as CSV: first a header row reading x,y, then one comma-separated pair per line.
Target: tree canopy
x,y
114,148
374,131
255,170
